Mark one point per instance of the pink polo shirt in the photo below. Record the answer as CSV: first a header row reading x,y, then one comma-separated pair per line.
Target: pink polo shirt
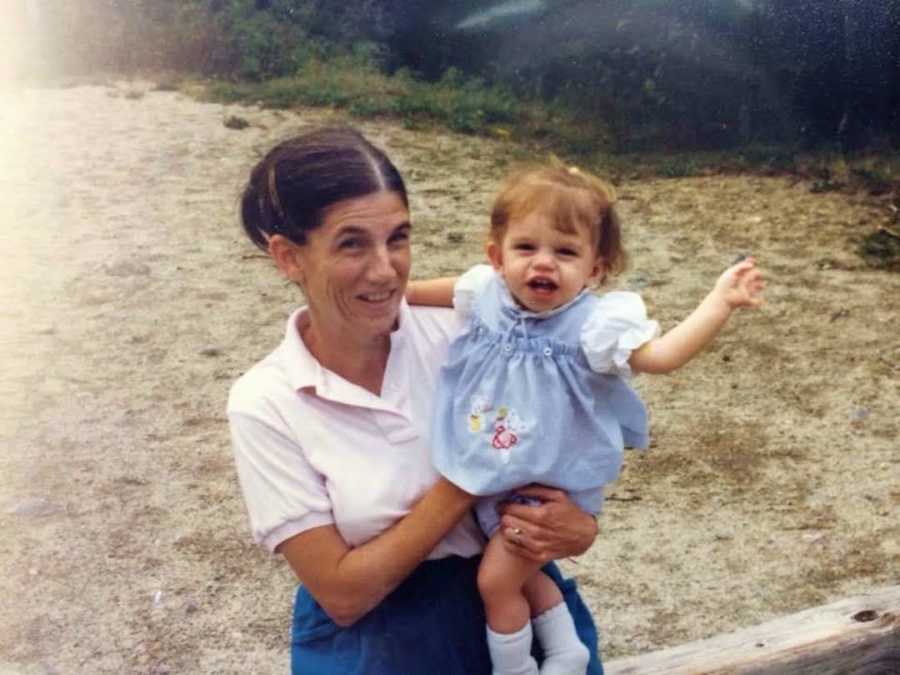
x,y
313,449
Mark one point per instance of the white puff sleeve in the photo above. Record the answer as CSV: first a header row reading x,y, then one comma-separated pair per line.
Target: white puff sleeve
x,y
617,327
469,286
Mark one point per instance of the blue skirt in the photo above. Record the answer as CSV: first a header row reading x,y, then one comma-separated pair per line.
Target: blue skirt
x,y
432,623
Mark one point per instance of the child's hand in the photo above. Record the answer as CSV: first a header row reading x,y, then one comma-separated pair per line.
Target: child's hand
x,y
741,285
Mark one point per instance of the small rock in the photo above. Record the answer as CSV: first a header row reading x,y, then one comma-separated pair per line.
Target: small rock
x,y
211,351
34,507
860,414
840,314
235,122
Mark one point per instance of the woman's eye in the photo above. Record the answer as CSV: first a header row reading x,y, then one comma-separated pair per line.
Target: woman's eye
x,y
399,238
350,243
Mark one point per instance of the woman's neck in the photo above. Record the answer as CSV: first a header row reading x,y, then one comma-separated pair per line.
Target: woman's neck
x,y
360,361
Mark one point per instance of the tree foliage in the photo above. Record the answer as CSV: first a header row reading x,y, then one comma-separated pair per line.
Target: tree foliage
x,y
660,72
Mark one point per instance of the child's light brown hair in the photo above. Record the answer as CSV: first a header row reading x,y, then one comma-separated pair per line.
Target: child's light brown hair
x,y
570,199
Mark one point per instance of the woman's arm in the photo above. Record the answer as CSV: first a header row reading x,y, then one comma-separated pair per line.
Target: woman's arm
x,y
739,286
348,582
434,292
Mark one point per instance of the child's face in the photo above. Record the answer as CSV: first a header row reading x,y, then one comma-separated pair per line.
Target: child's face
x,y
543,267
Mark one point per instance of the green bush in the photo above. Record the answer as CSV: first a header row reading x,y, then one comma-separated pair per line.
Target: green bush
x,y
466,105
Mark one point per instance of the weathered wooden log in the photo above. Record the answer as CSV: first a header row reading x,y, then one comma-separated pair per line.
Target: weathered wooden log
x,y
857,636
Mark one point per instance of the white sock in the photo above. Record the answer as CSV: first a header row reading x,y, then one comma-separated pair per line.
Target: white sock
x,y
511,652
564,653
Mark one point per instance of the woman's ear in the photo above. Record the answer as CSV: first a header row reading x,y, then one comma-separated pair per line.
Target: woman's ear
x,y
286,256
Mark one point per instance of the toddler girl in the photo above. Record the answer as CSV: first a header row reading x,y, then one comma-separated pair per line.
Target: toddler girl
x,y
535,389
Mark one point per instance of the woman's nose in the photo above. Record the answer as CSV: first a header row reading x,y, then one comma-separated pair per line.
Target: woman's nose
x,y
381,267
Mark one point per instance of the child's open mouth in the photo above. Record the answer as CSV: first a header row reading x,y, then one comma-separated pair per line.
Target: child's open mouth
x,y
542,285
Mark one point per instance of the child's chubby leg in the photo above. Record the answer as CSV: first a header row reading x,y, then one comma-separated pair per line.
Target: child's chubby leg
x,y
554,628
514,590
501,581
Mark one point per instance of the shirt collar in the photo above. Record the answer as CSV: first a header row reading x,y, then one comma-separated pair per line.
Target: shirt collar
x,y
302,368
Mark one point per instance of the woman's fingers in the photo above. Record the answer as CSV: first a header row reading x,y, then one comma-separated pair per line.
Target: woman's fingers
x,y
525,542
542,492
553,527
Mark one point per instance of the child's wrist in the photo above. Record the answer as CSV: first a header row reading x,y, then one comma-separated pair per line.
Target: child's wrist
x,y
719,303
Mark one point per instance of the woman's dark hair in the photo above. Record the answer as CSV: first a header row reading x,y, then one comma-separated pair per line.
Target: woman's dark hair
x,y
292,186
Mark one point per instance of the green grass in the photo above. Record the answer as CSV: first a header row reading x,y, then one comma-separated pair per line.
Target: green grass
x,y
466,105
469,105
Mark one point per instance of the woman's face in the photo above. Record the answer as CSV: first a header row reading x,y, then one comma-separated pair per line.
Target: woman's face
x,y
354,267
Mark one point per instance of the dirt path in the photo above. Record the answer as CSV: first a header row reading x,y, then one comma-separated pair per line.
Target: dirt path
x,y
130,302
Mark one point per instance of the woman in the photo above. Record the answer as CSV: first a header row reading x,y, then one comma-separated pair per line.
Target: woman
x,y
330,432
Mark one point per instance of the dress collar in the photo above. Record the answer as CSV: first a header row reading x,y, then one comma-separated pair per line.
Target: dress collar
x,y
512,307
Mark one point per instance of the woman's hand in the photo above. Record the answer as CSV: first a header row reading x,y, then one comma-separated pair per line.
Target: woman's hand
x,y
555,528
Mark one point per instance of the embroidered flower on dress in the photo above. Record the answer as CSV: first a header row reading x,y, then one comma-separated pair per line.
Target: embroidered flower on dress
x,y
508,429
480,405
501,433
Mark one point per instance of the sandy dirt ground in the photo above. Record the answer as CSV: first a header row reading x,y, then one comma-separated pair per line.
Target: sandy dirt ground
x,y
131,301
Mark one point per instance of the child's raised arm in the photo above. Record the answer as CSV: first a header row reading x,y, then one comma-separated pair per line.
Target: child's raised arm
x,y
739,286
434,292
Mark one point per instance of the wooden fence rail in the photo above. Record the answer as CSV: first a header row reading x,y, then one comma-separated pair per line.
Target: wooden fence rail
x,y
857,636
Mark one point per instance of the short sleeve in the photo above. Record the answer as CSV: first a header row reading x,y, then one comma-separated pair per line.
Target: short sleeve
x,y
469,286
616,327
283,493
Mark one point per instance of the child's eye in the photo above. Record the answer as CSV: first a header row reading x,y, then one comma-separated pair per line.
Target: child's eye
x,y
524,246
568,251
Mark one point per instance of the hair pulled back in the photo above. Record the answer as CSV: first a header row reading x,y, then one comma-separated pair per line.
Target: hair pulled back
x,y
570,199
300,178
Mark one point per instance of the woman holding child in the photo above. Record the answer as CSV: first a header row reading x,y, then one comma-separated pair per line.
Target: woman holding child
x,y
331,432
333,438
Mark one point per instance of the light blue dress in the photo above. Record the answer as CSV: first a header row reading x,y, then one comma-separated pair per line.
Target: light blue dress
x,y
531,397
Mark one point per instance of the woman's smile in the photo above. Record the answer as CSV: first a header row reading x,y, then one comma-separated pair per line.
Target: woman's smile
x,y
377,298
